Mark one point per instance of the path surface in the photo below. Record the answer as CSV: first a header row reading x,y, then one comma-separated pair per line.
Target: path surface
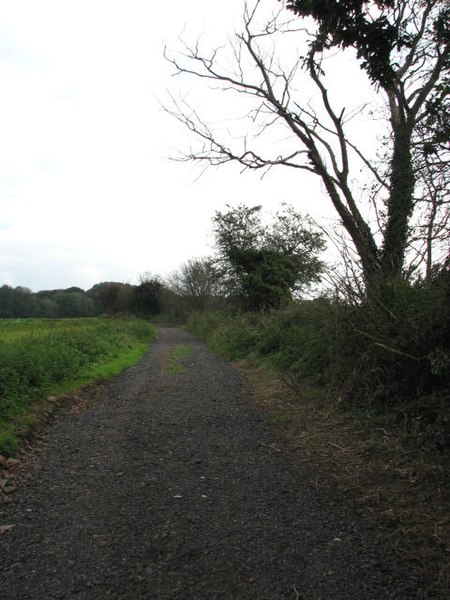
x,y
166,488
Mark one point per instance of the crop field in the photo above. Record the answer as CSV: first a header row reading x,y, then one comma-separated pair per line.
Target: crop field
x,y
41,357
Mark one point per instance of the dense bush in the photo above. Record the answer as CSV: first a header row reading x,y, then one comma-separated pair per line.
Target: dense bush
x,y
261,266
391,355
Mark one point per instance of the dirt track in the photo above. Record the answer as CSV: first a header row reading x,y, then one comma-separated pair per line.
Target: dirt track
x,y
172,486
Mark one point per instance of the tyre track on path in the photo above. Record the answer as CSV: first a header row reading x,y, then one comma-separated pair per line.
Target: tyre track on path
x,y
168,488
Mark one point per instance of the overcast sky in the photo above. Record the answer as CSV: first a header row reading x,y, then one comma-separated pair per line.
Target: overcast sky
x,y
87,191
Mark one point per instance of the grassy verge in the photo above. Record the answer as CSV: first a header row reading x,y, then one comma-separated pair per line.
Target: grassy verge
x,y
403,492
40,358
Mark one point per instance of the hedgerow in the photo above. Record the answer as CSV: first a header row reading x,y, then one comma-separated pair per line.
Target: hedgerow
x,y
391,356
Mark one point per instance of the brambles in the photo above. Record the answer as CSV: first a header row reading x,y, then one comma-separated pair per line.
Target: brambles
x,y
389,357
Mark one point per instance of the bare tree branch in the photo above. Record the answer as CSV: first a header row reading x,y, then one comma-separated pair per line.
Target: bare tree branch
x,y
319,141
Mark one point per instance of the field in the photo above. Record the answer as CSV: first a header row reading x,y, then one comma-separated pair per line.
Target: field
x,y
42,357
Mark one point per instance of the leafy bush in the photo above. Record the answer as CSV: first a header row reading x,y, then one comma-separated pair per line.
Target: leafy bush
x,y
233,336
390,355
300,341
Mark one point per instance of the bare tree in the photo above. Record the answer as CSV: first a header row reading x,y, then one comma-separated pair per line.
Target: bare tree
x,y
281,66
430,240
197,281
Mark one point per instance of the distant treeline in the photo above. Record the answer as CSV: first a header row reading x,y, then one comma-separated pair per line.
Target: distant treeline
x,y
103,298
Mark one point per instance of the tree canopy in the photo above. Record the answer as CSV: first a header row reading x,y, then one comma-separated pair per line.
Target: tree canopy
x,y
262,266
362,24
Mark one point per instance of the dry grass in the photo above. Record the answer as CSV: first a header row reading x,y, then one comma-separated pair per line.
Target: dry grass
x,y
404,491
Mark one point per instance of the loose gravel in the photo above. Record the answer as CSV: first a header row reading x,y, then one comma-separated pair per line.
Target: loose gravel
x,y
173,486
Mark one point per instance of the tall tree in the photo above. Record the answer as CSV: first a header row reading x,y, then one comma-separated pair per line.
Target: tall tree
x,y
262,266
147,296
403,47
16,302
196,282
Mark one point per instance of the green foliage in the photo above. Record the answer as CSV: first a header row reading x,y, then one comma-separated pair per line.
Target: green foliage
x,y
9,444
236,337
301,340
196,284
355,23
147,297
16,301
267,277
21,302
116,365
113,298
204,323
397,337
390,355
263,266
107,298
231,335
40,357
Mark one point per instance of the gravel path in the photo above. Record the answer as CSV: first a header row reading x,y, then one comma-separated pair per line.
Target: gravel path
x,y
172,486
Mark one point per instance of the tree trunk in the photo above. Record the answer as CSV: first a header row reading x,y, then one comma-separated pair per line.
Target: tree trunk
x,y
354,224
400,203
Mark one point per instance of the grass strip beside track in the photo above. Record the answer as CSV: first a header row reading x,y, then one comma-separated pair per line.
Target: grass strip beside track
x,y
40,357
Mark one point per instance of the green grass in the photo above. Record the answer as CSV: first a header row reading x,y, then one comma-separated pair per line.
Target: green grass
x,y
179,355
40,357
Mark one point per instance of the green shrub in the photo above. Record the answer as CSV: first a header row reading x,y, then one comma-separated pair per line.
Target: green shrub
x,y
204,323
233,336
300,340
390,353
9,444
